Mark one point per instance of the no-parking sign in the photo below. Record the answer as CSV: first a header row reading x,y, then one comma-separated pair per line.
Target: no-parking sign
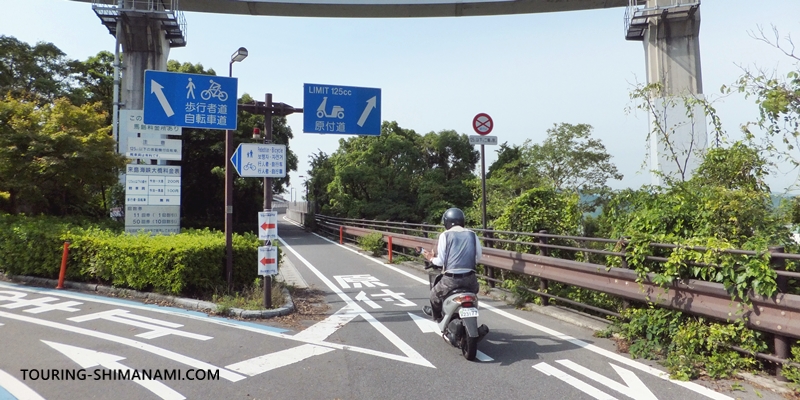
x,y
482,123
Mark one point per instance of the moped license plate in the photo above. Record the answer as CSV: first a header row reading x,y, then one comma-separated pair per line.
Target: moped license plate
x,y
468,312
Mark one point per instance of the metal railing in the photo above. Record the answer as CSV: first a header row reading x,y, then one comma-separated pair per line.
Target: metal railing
x,y
778,315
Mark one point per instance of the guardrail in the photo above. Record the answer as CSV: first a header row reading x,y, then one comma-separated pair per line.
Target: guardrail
x,y
778,315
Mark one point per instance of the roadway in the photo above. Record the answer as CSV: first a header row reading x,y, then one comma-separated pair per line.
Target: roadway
x,y
374,343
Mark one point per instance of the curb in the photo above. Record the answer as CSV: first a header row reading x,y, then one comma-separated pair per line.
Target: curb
x,y
193,304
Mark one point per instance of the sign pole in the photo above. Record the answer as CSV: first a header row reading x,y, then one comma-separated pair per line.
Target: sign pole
x,y
229,208
483,186
268,192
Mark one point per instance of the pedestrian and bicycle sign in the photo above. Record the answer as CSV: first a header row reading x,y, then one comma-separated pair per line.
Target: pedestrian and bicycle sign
x,y
254,160
190,100
482,124
341,110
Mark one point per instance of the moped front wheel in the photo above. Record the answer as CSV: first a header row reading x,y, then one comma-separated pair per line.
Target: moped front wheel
x,y
469,347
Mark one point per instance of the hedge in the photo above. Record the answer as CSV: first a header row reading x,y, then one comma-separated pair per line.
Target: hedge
x,y
189,263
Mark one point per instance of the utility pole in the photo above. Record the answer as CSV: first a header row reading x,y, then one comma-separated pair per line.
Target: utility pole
x,y
269,110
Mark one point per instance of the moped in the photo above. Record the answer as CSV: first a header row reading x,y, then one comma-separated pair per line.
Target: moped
x,y
459,324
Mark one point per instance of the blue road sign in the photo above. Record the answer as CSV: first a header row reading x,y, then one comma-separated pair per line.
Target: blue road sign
x,y
190,100
260,160
341,109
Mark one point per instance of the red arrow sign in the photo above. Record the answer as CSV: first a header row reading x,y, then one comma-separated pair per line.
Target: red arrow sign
x,y
265,261
266,226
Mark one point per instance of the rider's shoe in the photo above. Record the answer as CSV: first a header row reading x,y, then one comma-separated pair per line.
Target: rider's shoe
x,y
428,311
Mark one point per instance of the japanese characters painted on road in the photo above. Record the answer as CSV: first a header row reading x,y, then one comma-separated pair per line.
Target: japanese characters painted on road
x,y
478,139
341,110
268,225
483,124
267,260
190,100
254,160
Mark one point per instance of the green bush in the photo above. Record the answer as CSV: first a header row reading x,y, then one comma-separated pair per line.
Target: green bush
x,y
372,242
189,263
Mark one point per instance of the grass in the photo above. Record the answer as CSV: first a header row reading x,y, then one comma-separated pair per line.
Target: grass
x,y
249,298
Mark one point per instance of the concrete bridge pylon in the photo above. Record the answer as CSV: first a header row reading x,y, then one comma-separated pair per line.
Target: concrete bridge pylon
x,y
670,32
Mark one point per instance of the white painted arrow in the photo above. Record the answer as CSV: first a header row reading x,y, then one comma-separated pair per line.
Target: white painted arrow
x,y
635,389
426,325
363,297
89,358
370,105
157,89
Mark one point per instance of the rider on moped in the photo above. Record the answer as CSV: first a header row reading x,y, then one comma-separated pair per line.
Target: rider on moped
x,y
458,252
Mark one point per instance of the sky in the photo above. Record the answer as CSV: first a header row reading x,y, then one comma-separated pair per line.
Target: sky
x,y
528,72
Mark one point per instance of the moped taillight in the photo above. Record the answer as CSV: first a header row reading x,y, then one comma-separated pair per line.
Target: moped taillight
x,y
465,298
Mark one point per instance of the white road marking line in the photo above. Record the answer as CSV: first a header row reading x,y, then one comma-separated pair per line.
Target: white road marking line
x,y
223,322
154,331
322,329
609,354
182,314
267,362
180,358
90,358
574,382
481,356
411,354
17,388
425,324
636,389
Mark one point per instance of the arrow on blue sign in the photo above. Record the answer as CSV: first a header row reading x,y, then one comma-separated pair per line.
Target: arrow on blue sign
x,y
158,90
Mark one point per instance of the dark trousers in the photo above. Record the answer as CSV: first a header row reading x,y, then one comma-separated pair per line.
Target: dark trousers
x,y
448,283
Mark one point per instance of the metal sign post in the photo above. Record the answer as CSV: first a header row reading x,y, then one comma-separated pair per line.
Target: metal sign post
x,y
483,125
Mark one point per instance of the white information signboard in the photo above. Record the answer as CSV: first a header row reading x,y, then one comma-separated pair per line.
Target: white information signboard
x,y
268,225
155,219
267,260
477,139
133,121
154,149
152,198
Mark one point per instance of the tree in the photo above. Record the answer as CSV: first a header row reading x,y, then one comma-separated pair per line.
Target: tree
x,y
56,159
398,175
95,77
375,175
509,158
40,73
320,175
674,119
778,100
570,159
450,160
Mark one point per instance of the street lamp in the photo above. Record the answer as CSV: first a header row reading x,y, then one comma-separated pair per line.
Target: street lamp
x,y
239,55
305,183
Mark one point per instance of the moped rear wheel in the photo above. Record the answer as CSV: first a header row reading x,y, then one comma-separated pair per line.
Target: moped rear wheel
x,y
469,347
